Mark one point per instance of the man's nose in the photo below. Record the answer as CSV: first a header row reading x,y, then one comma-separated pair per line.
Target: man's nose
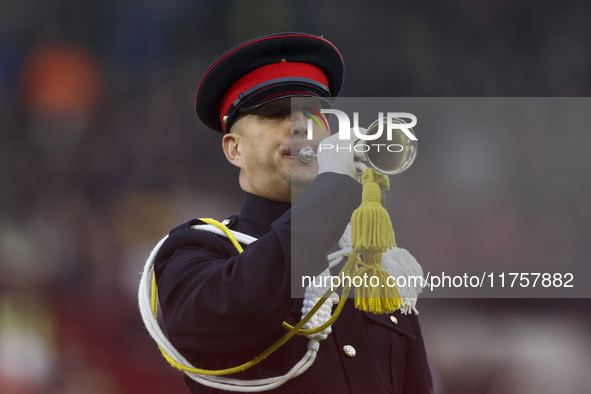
x,y
299,124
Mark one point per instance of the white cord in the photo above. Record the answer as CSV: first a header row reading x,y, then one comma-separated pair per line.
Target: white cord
x,y
222,382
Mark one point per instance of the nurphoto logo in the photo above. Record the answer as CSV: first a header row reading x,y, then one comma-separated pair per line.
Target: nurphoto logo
x,y
393,122
388,144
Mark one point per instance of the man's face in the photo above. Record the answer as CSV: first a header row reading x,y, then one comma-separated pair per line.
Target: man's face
x,y
265,143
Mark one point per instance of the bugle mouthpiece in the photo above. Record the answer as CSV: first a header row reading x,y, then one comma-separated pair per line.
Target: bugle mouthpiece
x,y
307,154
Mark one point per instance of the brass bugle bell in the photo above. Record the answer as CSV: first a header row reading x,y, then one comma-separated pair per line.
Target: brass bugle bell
x,y
389,156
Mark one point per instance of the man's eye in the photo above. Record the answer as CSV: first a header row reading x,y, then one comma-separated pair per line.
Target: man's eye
x,y
273,114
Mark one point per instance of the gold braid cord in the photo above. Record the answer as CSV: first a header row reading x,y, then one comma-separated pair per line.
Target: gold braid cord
x,y
292,330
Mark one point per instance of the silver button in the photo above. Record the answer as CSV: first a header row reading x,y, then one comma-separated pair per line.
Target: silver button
x,y
225,222
349,350
393,319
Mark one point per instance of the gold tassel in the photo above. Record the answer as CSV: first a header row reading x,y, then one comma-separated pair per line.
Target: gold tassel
x,y
375,296
371,228
372,235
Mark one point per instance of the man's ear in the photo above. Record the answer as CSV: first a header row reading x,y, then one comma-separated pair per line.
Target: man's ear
x,y
230,144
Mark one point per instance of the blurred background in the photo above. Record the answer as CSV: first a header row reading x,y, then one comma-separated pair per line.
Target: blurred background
x,y
101,154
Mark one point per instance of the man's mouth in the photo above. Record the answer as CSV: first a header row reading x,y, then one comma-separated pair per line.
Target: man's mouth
x,y
294,149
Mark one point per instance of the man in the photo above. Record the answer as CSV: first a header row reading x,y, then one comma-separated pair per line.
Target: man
x,y
222,308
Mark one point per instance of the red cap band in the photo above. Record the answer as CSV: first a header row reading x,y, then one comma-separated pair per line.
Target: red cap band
x,y
266,74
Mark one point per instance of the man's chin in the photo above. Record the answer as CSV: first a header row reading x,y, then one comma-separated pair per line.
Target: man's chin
x,y
303,176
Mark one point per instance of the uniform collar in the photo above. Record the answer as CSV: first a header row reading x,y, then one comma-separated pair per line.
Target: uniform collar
x,y
260,210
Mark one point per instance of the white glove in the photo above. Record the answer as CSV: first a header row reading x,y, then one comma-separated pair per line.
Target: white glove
x,y
336,155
